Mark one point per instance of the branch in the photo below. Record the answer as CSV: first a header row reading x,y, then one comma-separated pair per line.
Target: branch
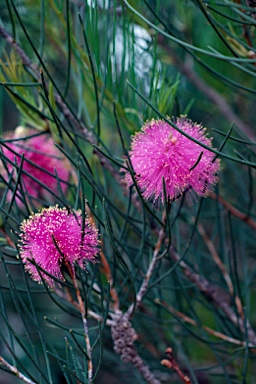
x,y
123,334
211,331
15,371
8,239
68,297
171,363
107,271
144,285
212,293
234,211
81,308
221,267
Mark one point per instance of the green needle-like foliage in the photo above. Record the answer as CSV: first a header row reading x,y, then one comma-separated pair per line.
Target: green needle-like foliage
x,y
171,298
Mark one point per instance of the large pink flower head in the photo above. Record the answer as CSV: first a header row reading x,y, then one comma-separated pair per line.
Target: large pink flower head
x,y
41,151
160,152
55,237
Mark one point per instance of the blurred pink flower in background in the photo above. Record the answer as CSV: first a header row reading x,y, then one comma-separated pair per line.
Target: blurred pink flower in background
x,y
41,151
55,237
160,152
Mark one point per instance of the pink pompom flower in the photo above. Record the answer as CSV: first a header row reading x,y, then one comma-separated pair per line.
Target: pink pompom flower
x,y
160,152
46,158
55,237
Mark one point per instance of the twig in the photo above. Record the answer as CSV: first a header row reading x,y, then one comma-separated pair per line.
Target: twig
x,y
123,334
81,308
67,296
106,269
8,239
213,294
171,363
211,331
234,211
15,371
216,258
221,267
144,285
105,266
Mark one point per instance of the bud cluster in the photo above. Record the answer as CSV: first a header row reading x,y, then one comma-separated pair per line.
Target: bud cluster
x,y
124,335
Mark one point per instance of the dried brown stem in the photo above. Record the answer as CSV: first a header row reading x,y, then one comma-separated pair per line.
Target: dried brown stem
x,y
234,211
221,267
8,239
211,331
144,285
106,269
81,309
15,371
216,258
68,297
213,293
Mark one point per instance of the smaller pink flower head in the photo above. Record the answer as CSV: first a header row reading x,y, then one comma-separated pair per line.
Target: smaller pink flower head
x,y
41,151
161,152
53,237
